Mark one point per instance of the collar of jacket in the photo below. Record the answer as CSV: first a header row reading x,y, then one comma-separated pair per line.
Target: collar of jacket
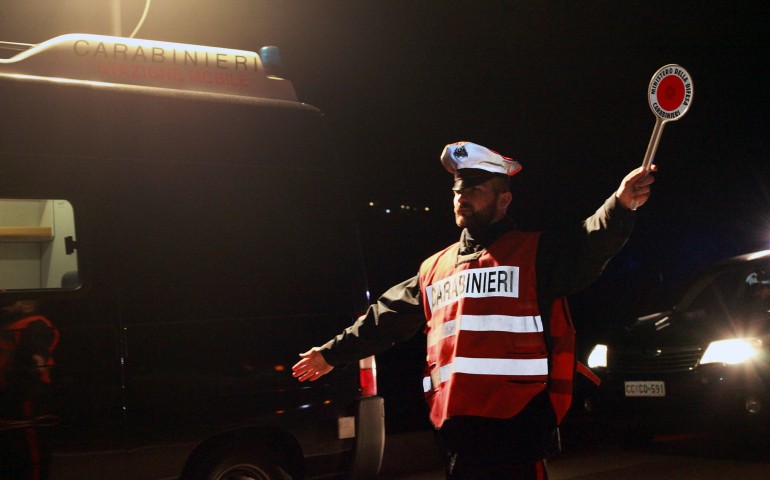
x,y
473,242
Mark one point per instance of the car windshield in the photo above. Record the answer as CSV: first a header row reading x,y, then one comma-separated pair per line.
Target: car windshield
x,y
740,294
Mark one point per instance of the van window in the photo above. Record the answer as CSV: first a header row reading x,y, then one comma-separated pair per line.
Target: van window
x,y
37,245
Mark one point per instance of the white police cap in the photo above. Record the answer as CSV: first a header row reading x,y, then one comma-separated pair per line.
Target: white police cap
x,y
461,155
473,164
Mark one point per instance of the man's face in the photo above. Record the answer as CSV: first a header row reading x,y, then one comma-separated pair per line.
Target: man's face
x,y
478,206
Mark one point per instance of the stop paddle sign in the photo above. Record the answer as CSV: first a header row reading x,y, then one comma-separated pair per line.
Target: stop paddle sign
x,y
670,96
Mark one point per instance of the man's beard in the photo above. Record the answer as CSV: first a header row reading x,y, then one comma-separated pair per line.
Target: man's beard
x,y
475,220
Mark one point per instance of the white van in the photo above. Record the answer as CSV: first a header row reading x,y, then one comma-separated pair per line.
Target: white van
x,y
176,216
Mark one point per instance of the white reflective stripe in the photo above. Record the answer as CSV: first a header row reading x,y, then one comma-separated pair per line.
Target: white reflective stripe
x,y
435,379
501,366
445,372
489,366
486,323
446,329
431,381
495,366
501,323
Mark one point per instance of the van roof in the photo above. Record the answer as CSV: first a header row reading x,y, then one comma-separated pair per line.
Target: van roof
x,y
128,61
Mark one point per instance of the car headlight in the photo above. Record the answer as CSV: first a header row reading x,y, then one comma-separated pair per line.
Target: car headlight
x,y
598,356
733,351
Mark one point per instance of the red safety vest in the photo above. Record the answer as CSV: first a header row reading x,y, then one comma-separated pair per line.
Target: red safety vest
x,y
10,337
487,353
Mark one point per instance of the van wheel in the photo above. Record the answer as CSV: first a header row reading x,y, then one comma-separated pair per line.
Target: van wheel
x,y
240,465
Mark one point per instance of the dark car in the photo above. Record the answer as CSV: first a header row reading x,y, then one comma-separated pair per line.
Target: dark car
x,y
703,363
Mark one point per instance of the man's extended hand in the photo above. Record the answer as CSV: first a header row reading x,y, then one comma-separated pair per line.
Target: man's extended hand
x,y
312,366
634,190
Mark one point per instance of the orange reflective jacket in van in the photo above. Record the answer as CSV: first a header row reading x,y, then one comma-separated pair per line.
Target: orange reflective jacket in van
x,y
488,354
11,336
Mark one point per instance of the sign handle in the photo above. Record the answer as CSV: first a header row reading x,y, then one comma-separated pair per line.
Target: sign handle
x,y
652,147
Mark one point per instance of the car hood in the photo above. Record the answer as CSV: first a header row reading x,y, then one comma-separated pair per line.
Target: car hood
x,y
671,329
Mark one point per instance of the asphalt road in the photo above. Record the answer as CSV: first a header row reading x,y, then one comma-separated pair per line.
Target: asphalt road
x,y
412,456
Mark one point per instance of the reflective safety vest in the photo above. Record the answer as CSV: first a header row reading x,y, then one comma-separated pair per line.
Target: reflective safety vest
x,y
10,338
487,353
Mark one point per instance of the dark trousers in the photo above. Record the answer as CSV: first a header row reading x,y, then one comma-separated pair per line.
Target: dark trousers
x,y
458,469
481,448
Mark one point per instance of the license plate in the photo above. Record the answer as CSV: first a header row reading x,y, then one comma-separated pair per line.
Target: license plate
x,y
645,389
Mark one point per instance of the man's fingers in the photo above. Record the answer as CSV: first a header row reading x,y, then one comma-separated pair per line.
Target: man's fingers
x,y
311,366
311,375
299,366
302,372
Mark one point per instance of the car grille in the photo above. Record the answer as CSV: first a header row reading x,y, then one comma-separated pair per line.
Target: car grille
x,y
651,360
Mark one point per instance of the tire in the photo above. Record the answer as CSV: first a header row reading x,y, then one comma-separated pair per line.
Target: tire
x,y
239,465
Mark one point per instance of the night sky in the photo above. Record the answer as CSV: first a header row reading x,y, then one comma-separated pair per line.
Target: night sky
x,y
561,86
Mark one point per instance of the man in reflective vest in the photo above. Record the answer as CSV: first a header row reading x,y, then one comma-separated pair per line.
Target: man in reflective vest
x,y
500,342
27,342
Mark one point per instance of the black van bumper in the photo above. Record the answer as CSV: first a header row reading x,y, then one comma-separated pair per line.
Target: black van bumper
x,y
370,438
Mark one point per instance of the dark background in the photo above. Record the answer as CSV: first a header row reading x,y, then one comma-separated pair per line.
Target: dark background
x,y
561,86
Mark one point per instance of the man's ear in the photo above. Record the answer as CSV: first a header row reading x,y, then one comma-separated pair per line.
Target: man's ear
x,y
503,201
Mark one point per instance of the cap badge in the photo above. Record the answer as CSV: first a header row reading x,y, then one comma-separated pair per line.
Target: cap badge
x,y
460,152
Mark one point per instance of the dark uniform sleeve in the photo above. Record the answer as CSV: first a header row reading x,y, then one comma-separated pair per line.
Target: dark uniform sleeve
x,y
396,317
570,260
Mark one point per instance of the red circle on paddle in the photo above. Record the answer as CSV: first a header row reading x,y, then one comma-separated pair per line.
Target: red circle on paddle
x,y
670,93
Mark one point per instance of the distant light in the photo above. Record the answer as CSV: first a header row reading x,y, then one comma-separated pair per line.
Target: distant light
x,y
387,210
371,204
427,209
